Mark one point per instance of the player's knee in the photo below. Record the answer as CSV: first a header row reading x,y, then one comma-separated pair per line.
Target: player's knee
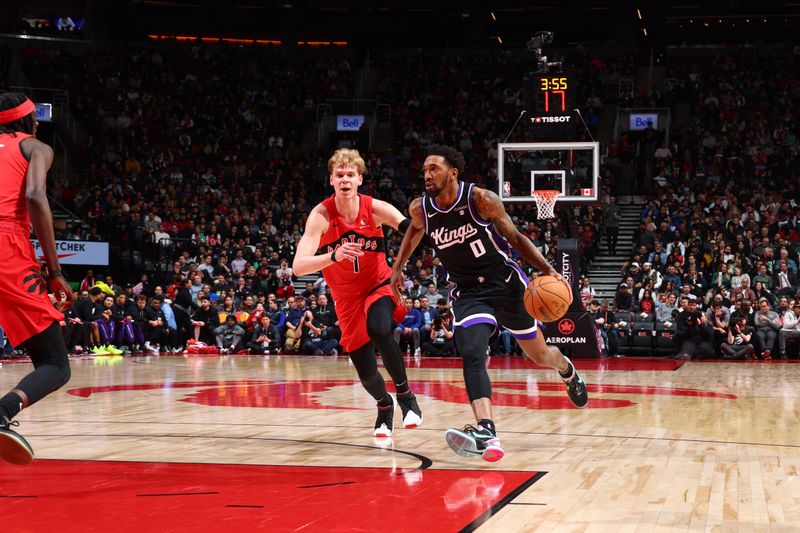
x,y
64,373
473,355
379,330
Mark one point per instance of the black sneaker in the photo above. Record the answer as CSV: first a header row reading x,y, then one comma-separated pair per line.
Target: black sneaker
x,y
14,448
412,414
473,442
385,421
576,388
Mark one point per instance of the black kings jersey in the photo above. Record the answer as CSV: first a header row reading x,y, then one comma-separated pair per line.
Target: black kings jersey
x,y
471,251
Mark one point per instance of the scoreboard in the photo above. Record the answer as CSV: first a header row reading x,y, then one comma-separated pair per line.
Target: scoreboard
x,y
550,102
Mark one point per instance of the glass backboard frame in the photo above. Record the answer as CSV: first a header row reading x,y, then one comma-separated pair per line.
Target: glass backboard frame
x,y
502,148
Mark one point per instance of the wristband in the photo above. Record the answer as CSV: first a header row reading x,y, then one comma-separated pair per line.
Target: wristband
x,y
56,273
333,256
403,226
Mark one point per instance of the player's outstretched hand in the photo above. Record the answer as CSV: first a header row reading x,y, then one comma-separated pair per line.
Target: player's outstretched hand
x,y
349,250
59,286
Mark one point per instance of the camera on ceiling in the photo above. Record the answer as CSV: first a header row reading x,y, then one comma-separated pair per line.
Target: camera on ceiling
x,y
536,43
539,40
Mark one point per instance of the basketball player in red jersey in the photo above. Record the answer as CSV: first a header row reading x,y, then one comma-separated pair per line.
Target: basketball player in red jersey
x,y
26,313
344,239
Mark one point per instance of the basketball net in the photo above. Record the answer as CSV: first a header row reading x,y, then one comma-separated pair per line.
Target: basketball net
x,y
545,202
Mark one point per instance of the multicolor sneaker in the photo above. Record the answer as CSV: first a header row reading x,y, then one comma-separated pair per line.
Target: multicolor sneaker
x,y
14,448
576,388
473,442
384,423
412,414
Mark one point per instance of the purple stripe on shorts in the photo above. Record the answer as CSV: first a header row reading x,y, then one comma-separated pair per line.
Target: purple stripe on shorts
x,y
525,336
477,320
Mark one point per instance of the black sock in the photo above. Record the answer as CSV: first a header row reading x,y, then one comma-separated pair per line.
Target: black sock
x,y
401,388
487,424
568,374
10,405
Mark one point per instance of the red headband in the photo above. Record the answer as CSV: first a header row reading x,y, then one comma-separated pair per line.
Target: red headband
x,y
15,113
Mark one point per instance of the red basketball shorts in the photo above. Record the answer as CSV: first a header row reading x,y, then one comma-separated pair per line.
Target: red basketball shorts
x,y
25,307
352,313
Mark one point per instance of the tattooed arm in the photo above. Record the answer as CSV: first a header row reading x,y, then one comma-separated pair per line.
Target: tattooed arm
x,y
491,208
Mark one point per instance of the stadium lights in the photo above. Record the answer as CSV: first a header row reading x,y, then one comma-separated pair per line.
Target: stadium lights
x,y
499,40
638,13
644,30
493,17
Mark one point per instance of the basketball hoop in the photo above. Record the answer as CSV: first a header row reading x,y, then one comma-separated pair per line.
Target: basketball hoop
x,y
545,202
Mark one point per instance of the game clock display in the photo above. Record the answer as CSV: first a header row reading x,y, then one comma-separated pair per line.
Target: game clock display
x,y
553,94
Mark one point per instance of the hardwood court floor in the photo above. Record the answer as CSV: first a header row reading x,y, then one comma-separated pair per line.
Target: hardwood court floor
x,y
285,443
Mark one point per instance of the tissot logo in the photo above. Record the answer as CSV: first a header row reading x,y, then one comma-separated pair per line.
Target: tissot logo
x,y
560,118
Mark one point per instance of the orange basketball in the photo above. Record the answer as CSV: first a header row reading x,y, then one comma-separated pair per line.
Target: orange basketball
x,y
547,298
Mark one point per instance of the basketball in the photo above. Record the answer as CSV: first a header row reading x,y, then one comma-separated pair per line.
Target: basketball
x,y
547,298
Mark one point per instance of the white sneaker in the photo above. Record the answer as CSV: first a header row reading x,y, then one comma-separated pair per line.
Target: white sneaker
x,y
417,352
150,348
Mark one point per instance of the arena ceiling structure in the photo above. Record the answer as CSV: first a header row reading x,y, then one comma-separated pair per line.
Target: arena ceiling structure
x,y
416,22
384,23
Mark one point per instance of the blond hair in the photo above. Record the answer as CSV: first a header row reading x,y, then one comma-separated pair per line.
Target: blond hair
x,y
345,156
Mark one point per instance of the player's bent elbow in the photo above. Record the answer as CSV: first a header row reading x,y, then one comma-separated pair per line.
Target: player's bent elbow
x,y
300,269
36,199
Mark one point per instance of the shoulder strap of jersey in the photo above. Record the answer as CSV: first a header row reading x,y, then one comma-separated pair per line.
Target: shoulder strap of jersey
x,y
473,210
365,209
330,206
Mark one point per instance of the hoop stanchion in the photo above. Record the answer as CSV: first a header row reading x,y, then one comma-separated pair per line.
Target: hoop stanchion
x,y
545,202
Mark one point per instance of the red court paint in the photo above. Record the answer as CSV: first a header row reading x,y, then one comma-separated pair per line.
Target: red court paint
x,y
304,394
511,363
79,496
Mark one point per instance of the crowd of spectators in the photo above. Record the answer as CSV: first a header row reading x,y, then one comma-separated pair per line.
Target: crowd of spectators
x,y
198,173
715,255
195,156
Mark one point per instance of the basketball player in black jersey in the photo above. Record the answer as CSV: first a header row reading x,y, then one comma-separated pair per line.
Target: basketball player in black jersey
x,y
472,235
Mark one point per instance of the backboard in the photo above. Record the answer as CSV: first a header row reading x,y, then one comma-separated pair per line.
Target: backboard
x,y
573,168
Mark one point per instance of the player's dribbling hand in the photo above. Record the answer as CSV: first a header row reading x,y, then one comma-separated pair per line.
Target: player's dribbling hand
x,y
553,272
59,286
349,250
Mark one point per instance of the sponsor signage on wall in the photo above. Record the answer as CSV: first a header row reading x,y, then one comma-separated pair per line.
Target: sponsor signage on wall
x,y
77,252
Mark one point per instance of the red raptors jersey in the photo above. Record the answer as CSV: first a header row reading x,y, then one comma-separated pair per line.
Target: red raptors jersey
x,y
355,278
13,167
